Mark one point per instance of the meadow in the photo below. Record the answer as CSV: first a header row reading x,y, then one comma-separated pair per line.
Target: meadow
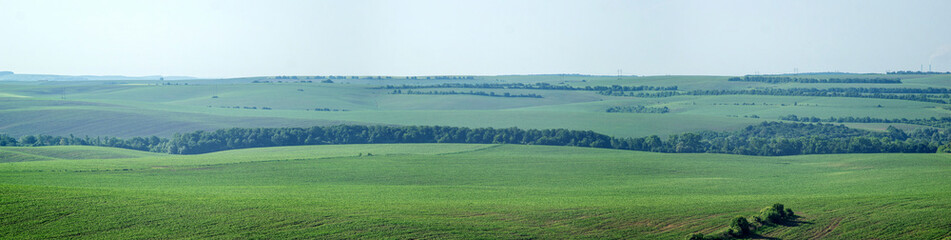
x,y
145,108
463,191
453,191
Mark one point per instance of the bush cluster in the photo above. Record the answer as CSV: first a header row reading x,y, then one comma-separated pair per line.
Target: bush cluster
x,y
742,227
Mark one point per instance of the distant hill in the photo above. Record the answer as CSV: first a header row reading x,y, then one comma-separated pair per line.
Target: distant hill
x,y
11,76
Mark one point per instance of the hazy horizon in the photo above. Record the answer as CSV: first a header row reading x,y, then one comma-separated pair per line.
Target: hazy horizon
x,y
209,39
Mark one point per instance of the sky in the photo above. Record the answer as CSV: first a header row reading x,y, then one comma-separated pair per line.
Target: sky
x,y
482,37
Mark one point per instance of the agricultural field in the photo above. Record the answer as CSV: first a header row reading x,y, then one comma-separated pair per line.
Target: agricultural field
x,y
452,190
321,119
463,191
146,108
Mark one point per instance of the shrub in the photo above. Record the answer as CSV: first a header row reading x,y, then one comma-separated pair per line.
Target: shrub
x,y
740,226
770,214
945,148
780,208
695,236
790,213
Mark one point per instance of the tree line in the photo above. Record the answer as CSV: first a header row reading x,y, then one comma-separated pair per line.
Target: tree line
x,y
477,93
943,122
916,72
933,95
775,79
328,110
637,109
301,81
534,86
245,107
765,139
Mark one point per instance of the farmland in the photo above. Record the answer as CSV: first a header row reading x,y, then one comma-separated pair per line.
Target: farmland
x,y
457,190
464,191
145,108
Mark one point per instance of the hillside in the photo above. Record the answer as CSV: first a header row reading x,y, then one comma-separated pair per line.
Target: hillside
x,y
162,108
466,191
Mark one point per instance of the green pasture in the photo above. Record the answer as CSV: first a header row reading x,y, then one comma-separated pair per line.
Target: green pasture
x,y
144,108
429,191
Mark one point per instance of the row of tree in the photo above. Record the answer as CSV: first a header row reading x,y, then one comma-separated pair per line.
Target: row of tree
x,y
916,72
477,93
776,79
301,81
943,122
766,139
637,109
934,95
329,110
534,86
245,107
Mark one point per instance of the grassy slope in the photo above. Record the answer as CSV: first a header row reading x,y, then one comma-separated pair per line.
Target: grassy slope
x,y
126,110
467,191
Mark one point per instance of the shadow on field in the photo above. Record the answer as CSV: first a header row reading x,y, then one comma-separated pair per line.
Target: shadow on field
x,y
794,222
757,236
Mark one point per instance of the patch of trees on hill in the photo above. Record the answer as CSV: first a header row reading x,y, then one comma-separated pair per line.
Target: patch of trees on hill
x,y
943,122
477,93
775,79
934,95
637,109
765,139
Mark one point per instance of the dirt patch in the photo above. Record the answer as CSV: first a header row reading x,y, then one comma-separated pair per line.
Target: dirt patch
x,y
828,229
660,226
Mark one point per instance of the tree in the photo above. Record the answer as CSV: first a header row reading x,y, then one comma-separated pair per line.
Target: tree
x,y
780,208
945,148
7,140
28,140
896,133
695,236
770,214
740,226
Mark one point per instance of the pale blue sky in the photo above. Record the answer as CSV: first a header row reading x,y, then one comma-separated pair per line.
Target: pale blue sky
x,y
248,38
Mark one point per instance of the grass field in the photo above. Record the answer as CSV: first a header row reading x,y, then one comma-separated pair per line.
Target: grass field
x,y
463,191
143,108
436,191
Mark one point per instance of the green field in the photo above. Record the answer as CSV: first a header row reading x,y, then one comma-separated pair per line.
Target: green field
x,y
463,191
439,191
145,108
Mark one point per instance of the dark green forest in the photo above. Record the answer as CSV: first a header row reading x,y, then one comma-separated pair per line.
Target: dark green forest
x,y
765,139
943,122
